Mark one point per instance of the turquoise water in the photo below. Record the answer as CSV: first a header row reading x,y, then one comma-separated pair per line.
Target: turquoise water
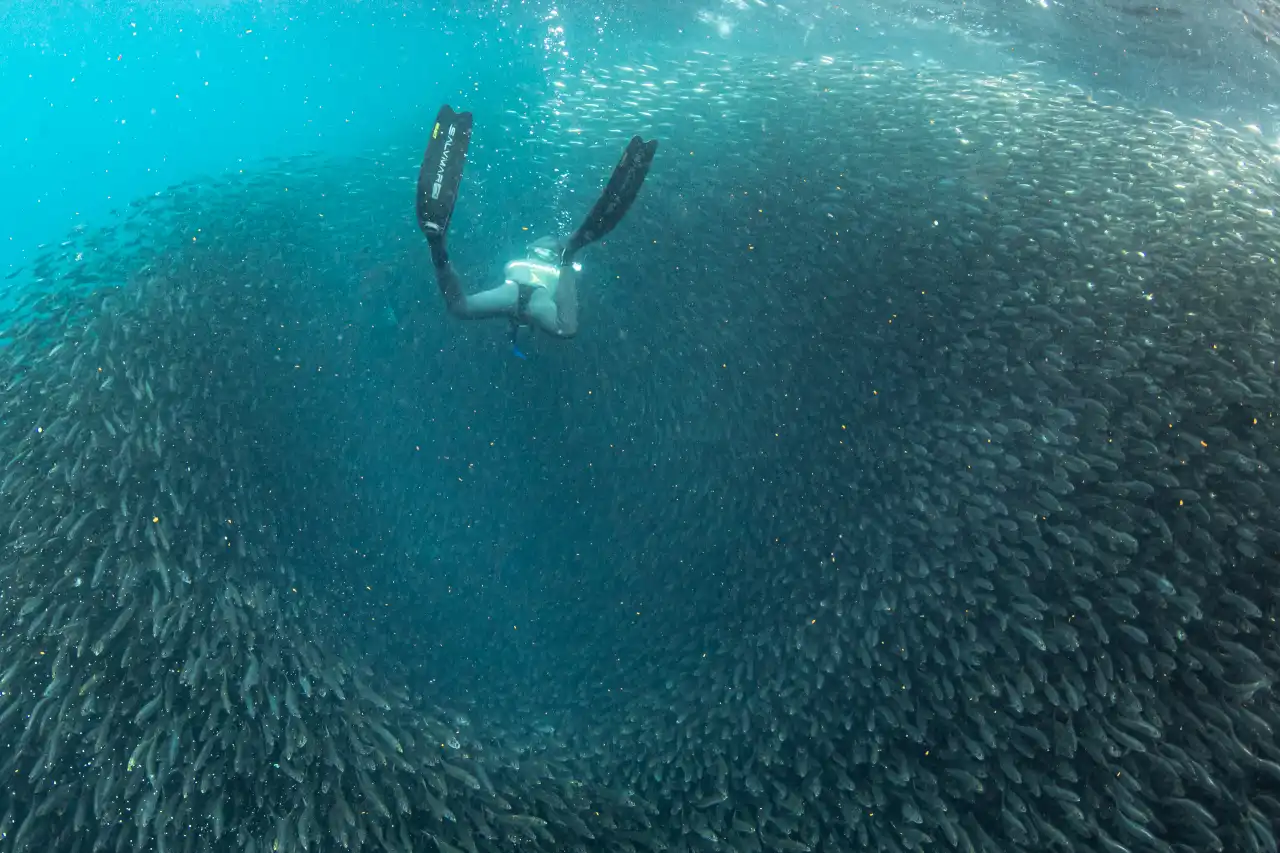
x,y
110,104
109,101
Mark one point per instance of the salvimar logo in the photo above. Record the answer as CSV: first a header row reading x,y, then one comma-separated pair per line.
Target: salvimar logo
x,y
444,162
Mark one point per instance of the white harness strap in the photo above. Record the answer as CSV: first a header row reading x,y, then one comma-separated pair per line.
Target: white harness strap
x,y
532,272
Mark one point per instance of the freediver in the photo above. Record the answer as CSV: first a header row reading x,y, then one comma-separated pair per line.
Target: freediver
x,y
538,290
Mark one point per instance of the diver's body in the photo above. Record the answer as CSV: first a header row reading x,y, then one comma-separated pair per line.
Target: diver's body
x,y
539,290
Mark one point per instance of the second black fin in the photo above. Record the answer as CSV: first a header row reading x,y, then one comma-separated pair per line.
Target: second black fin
x,y
622,189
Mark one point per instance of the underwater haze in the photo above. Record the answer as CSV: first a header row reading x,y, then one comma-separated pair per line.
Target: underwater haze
x,y
910,485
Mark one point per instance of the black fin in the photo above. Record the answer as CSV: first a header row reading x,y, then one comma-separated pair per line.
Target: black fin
x,y
441,172
619,193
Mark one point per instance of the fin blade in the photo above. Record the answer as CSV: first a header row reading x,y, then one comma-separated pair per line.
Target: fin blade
x,y
441,173
619,194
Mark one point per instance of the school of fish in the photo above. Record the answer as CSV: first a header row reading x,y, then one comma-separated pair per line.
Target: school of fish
x,y
986,460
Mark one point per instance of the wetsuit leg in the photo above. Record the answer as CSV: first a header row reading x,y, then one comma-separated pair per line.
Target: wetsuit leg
x,y
500,301
557,317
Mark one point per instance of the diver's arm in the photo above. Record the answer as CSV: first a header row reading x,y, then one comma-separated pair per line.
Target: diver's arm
x,y
498,302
